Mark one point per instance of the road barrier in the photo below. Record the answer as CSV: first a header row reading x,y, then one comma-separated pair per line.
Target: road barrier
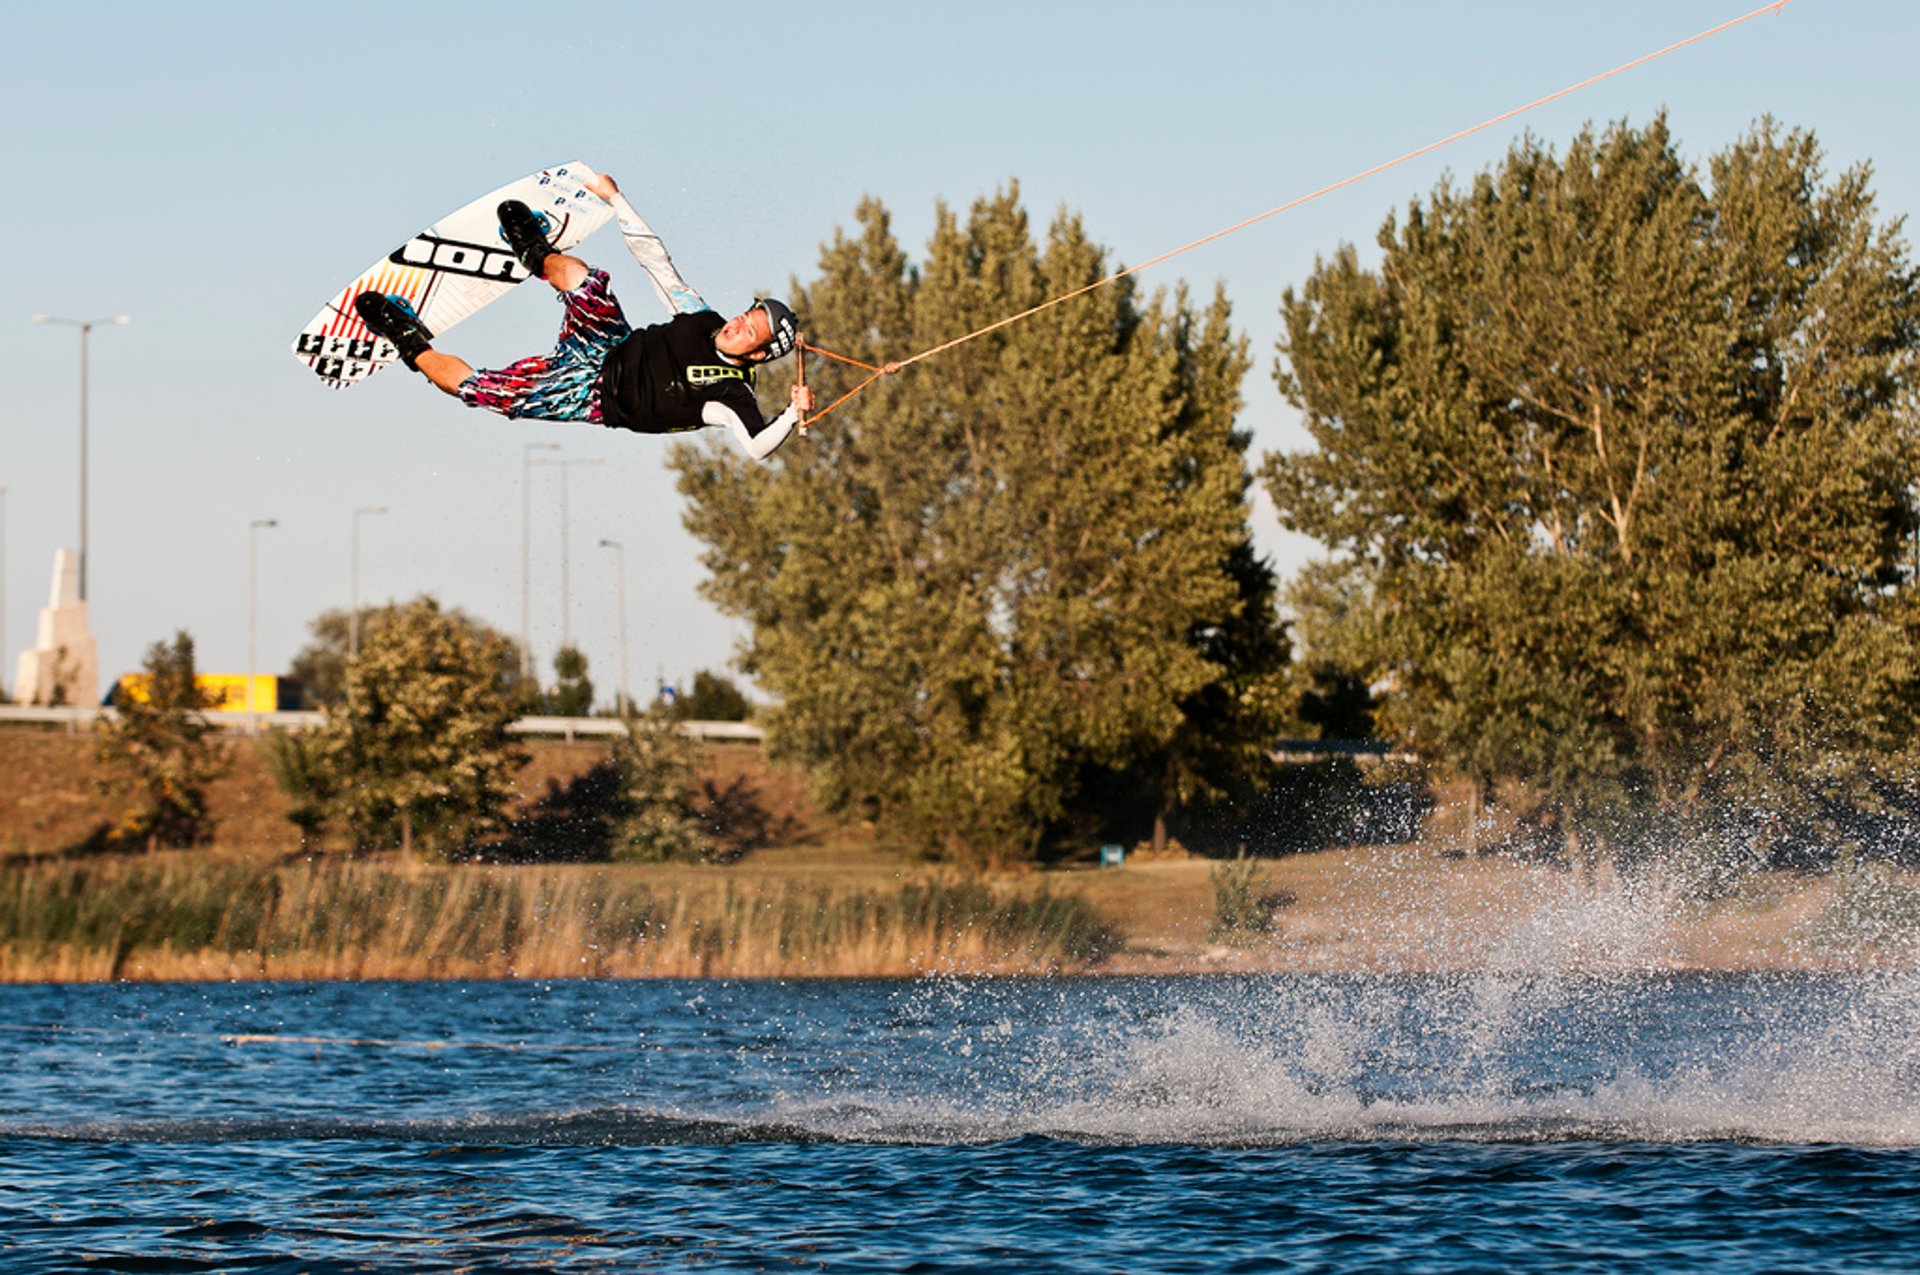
x,y
77,719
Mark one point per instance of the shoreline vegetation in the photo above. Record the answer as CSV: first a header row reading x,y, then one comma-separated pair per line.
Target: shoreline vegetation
x,y
196,917
825,902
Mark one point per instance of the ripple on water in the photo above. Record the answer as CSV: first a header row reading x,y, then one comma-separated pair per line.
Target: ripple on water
x,y
1507,1121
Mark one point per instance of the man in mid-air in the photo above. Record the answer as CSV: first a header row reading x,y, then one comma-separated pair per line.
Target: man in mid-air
x,y
695,369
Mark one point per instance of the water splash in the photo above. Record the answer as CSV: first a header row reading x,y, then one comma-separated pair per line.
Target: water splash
x,y
1573,1029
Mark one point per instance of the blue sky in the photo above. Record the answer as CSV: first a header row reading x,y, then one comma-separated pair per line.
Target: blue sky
x,y
215,170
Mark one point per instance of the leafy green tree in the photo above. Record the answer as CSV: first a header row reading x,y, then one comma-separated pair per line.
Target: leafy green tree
x,y
1024,566
299,767
1618,464
657,820
417,750
161,752
572,693
713,698
321,665
1329,671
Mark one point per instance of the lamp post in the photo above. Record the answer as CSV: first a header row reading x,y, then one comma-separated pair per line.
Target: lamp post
x,y
353,623
527,463
253,574
566,574
620,551
86,327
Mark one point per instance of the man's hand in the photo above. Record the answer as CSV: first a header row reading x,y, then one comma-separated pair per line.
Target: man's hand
x,y
803,398
603,186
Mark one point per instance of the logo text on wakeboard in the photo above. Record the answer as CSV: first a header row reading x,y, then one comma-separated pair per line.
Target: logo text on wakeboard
x,y
336,346
454,257
342,358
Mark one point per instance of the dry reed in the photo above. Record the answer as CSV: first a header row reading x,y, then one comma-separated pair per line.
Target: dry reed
x,y
202,917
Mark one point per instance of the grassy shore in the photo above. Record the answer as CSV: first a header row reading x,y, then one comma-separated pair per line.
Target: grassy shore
x,y
216,915
816,900
201,916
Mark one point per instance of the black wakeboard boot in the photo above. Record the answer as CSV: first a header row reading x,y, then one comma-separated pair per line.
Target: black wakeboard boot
x,y
526,233
394,319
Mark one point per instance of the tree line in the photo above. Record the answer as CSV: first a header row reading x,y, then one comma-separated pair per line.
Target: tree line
x,y
1614,461
415,752
320,668
1615,458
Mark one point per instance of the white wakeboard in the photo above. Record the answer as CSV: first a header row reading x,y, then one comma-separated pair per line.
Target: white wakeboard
x,y
448,271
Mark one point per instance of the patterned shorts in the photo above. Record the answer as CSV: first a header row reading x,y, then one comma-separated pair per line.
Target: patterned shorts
x,y
563,385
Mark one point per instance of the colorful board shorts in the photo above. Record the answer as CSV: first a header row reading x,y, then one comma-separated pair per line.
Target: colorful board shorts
x,y
563,385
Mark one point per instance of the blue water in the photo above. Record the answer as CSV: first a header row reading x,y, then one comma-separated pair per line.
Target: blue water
x,y
1488,1122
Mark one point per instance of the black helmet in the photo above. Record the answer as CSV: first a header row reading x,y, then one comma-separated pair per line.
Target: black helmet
x,y
785,328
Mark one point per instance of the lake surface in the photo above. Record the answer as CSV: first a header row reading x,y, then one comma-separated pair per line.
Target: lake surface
x,y
1490,1122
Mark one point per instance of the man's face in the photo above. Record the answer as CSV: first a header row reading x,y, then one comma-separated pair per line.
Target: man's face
x,y
743,334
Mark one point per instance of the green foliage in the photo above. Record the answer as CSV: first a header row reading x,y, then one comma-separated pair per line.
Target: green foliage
x,y
1329,670
713,698
1618,464
297,767
321,665
657,820
160,751
572,693
417,748
1022,565
1242,912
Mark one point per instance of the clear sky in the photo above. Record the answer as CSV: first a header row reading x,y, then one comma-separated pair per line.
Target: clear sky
x,y
217,170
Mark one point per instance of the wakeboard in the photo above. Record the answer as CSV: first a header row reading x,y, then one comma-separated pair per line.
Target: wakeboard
x,y
453,268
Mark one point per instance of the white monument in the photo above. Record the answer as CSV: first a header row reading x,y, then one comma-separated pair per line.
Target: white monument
x,y
63,667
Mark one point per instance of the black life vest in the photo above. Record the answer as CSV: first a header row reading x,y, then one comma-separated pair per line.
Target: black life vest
x,y
657,380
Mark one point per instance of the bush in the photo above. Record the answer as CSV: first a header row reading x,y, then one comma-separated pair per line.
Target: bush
x,y
657,821
418,746
1242,913
159,750
713,699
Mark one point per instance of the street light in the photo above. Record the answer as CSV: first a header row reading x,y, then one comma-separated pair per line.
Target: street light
x,y
566,576
526,552
253,555
86,327
353,624
626,700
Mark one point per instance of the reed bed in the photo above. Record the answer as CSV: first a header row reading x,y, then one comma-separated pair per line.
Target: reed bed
x,y
200,917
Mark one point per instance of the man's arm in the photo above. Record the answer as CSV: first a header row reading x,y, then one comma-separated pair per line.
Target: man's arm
x,y
767,440
649,251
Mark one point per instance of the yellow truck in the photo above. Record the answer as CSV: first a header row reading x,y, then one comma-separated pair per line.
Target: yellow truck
x,y
228,692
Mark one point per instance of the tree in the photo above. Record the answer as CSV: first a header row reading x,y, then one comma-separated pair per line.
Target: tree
x,y
321,665
572,693
299,767
1025,566
1330,677
656,820
1618,464
417,748
160,750
713,698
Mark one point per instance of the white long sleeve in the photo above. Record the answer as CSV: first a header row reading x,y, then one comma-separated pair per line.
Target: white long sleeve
x,y
651,253
761,445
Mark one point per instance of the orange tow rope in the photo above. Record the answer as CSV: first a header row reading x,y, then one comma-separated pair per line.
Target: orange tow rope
x,y
886,369
889,369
